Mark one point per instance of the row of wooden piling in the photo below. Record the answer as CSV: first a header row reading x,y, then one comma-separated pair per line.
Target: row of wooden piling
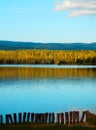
x,y
71,117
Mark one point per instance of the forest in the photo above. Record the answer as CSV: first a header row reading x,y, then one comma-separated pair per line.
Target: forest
x,y
59,57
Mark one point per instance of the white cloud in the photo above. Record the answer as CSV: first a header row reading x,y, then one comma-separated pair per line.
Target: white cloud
x,y
82,12
77,7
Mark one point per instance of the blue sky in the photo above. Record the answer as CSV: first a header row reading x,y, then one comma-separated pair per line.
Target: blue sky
x,y
48,20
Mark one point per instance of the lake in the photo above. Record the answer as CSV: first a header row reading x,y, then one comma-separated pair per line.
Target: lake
x,y
47,88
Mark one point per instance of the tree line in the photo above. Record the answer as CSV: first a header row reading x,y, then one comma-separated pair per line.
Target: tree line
x,y
60,57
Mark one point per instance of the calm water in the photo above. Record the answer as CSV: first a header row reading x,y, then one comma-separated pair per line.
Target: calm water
x,y
43,88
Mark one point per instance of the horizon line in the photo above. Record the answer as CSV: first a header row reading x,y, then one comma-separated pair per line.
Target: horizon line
x,y
49,42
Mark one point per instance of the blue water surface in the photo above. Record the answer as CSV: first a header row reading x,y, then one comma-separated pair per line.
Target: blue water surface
x,y
44,88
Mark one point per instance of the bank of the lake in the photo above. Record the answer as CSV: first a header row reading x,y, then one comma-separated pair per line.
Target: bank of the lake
x,y
28,127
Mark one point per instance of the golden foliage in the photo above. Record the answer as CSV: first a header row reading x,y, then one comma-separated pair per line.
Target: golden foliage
x,y
48,57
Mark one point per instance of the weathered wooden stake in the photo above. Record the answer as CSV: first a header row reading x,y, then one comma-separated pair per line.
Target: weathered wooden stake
x,y
42,118
67,117
15,118
28,117
24,117
77,116
53,118
32,117
46,118
62,118
36,118
90,116
71,117
83,116
74,117
58,118
50,118
1,119
20,118
9,119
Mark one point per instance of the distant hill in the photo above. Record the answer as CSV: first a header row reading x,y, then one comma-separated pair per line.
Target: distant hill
x,y
12,45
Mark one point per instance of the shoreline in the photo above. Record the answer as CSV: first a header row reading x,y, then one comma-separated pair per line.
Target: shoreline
x,y
47,66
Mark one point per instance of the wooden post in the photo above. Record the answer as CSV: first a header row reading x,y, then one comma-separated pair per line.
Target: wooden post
x,y
50,117
71,117
83,116
32,117
88,114
9,119
1,119
15,118
46,118
36,118
39,118
28,117
67,118
53,118
58,118
74,117
62,118
20,118
24,117
77,116
42,118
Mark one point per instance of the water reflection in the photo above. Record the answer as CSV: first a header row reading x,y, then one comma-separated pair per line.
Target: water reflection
x,y
26,73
